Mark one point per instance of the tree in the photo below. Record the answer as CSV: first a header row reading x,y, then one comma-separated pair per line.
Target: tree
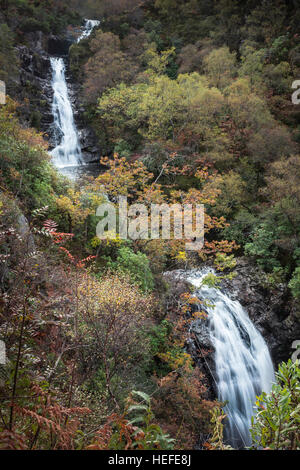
x,y
109,8
181,111
229,16
107,67
220,66
136,265
283,189
24,163
270,144
133,180
232,193
157,63
8,58
31,416
113,313
266,21
249,112
190,58
283,193
264,75
252,65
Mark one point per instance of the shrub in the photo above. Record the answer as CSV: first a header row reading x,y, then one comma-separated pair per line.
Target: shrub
x,y
263,248
123,148
276,424
140,433
294,284
136,265
25,166
113,315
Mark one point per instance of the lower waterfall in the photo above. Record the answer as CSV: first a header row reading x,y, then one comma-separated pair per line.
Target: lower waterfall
x,y
243,364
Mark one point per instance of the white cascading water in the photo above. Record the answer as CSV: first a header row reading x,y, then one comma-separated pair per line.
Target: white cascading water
x,y
67,153
243,364
89,26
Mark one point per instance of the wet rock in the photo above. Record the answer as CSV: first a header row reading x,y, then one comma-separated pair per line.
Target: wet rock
x,y
35,85
36,40
34,63
273,311
177,285
88,142
200,329
59,45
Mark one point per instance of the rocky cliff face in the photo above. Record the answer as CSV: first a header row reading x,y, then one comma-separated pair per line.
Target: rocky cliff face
x,y
273,311
198,343
35,86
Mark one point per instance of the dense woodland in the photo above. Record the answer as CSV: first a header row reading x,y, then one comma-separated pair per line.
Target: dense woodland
x,y
190,102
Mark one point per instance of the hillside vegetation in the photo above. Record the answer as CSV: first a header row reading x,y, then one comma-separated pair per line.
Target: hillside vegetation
x,y
191,103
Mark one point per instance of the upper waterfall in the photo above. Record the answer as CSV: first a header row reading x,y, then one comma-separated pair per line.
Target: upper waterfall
x,y
67,152
89,26
243,364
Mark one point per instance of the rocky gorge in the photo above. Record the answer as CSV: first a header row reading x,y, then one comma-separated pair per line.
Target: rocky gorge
x,y
249,297
271,311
